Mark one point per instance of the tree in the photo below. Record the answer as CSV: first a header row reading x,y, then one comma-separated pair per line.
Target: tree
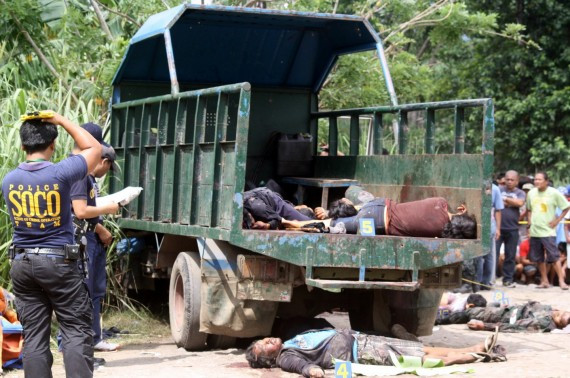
x,y
531,86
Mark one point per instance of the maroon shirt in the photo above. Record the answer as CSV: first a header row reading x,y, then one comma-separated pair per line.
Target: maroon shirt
x,y
424,218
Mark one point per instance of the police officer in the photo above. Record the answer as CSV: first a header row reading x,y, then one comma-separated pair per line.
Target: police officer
x,y
44,271
83,196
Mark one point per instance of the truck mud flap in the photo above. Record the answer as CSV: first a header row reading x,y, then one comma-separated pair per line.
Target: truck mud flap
x,y
222,312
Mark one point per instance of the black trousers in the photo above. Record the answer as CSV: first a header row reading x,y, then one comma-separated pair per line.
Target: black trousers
x,y
511,240
45,284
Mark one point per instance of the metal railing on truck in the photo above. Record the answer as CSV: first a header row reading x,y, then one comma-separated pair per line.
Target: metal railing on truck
x,y
188,152
454,176
429,109
428,170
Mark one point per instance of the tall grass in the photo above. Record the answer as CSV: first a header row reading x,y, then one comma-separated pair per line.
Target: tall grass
x,y
11,154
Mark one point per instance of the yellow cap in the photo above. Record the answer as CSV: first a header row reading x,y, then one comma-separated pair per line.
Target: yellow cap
x,y
41,114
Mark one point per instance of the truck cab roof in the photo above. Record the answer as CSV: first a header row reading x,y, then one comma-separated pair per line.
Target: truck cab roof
x,y
216,45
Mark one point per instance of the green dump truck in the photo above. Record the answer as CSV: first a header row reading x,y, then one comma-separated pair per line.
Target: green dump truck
x,y
197,99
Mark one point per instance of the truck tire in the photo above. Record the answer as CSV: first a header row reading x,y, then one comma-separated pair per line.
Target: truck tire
x,y
220,342
184,302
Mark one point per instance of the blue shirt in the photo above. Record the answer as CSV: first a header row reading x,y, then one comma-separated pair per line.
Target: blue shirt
x,y
38,201
86,189
497,203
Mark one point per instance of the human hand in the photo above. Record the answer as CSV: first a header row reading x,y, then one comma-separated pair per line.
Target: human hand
x,y
553,223
476,325
497,234
104,235
316,372
320,213
259,225
461,209
113,207
56,119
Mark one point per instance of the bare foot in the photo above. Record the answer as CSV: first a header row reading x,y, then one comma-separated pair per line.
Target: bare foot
x,y
563,286
479,348
476,325
543,286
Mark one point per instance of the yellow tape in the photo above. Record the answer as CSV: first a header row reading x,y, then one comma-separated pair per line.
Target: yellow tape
x,y
41,114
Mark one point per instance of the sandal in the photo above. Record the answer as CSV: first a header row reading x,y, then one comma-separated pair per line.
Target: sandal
x,y
497,354
481,357
491,340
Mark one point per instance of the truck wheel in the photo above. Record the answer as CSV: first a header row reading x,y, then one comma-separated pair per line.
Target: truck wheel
x,y
220,342
184,302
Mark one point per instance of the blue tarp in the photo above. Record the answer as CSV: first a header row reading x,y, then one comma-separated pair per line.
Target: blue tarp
x,y
216,45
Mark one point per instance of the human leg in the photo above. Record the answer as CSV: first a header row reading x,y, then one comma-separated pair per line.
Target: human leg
x,y
529,271
553,257
479,265
96,282
489,264
72,306
498,268
511,238
543,276
34,312
451,356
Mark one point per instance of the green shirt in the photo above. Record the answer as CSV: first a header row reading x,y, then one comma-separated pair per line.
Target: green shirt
x,y
543,206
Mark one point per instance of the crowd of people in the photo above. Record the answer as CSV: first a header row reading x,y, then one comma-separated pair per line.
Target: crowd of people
x,y
529,230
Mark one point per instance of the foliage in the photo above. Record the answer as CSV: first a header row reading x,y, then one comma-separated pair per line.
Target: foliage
x,y
58,54
530,85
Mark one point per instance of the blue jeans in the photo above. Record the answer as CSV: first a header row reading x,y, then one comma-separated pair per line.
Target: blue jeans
x,y
97,280
511,240
486,265
45,284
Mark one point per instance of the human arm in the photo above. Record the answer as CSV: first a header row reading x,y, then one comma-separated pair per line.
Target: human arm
x,y
457,317
89,147
299,224
293,362
525,261
259,225
104,235
529,217
557,220
461,209
522,325
83,211
321,213
498,218
513,202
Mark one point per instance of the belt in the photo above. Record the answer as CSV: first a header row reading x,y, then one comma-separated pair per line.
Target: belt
x,y
41,251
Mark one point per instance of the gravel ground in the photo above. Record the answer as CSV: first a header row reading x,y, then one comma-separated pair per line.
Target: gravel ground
x,y
529,355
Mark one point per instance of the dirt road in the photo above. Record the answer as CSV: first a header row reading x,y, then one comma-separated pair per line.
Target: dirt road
x,y
530,355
